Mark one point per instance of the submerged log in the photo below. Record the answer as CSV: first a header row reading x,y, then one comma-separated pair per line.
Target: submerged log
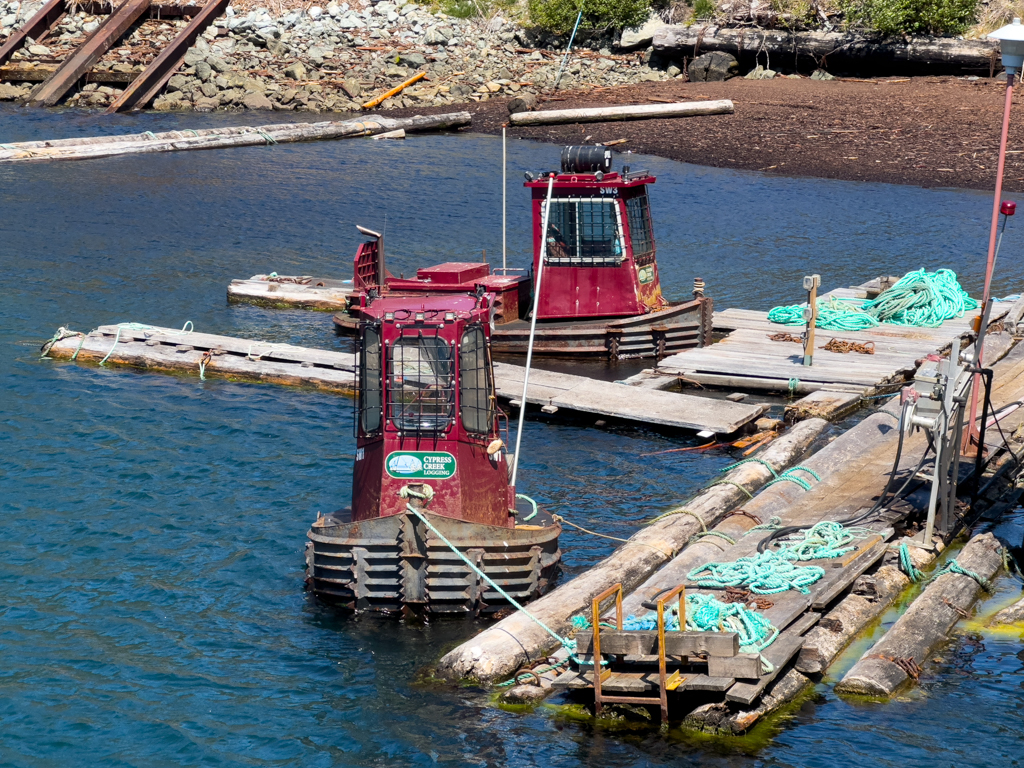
x,y
501,649
891,662
632,112
216,138
838,52
1011,615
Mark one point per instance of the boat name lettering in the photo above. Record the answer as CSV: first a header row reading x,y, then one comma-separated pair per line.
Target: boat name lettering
x,y
437,465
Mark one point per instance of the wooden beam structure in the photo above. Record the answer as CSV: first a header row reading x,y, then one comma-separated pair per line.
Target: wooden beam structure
x,y
88,53
36,28
148,85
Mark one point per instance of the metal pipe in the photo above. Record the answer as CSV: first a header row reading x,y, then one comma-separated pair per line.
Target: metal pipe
x,y
504,195
568,48
979,345
533,326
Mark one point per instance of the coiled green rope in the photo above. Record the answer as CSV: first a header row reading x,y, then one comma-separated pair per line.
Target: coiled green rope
x,y
907,565
921,299
953,566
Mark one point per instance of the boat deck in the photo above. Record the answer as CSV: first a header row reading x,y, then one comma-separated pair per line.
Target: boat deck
x,y
746,359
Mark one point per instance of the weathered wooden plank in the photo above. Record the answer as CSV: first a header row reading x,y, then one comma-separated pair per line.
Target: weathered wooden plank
x,y
881,671
320,293
778,653
606,398
742,666
838,581
645,643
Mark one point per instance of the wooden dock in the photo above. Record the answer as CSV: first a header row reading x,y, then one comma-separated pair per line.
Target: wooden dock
x,y
747,359
167,349
291,292
814,628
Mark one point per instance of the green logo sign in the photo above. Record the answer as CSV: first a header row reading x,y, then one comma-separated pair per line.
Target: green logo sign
x,y
420,465
646,274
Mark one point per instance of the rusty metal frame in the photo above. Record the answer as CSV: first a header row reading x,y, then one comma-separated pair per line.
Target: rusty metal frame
x,y
152,81
37,27
666,682
51,90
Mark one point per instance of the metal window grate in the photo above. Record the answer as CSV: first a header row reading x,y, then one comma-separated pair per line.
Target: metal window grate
x,y
371,387
421,387
584,232
638,213
476,390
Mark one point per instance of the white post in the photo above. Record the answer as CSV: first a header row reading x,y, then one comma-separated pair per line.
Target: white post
x,y
533,326
504,207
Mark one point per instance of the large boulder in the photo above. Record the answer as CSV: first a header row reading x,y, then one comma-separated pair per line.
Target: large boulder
x,y
256,101
11,92
713,66
642,37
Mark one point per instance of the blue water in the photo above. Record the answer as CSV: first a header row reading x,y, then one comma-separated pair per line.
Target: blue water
x,y
151,602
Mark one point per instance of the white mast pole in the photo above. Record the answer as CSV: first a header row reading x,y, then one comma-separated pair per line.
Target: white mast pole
x,y
533,326
504,206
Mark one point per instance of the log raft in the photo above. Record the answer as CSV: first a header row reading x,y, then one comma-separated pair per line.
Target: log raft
x,y
167,349
838,52
898,656
218,138
501,649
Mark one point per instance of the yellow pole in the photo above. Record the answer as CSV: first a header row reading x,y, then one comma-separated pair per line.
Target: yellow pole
x,y
398,89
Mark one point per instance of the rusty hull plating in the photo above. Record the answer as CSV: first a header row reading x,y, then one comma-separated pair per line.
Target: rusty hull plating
x,y
429,436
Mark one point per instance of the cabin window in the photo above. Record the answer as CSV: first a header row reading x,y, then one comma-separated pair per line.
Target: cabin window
x,y
638,213
370,384
584,232
421,387
476,404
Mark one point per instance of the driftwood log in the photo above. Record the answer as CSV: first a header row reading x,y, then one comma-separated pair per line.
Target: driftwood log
x,y
838,52
216,138
887,666
1011,615
631,112
501,649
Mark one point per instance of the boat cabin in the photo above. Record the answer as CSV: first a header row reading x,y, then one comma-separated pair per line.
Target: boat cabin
x,y
600,255
426,412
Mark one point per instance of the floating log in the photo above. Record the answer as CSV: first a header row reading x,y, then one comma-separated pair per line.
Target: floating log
x,y
825,642
633,112
1011,615
838,52
216,138
887,666
501,649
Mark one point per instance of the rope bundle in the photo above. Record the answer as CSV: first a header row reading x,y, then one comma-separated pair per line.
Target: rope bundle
x,y
921,299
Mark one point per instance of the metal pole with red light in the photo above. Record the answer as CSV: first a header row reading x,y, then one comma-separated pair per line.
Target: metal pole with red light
x,y
1011,44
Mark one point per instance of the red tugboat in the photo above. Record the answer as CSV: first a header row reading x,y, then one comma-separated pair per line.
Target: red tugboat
x,y
601,289
431,464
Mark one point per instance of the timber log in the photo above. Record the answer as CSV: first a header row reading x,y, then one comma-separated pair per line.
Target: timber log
x,y
837,52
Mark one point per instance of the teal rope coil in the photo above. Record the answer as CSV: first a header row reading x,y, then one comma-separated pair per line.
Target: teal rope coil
x,y
532,504
952,566
907,565
920,299
774,571
762,462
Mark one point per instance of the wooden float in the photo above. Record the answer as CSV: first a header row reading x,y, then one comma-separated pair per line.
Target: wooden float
x,y
814,628
747,359
167,349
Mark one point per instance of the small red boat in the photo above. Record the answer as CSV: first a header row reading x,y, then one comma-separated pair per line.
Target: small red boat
x,y
431,472
601,294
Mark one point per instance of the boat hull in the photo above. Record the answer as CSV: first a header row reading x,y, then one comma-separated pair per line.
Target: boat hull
x,y
678,327
396,564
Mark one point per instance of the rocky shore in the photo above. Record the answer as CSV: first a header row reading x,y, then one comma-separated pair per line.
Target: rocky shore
x,y
336,57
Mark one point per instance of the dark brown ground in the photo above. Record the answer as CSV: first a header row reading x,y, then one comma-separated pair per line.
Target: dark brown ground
x,y
931,132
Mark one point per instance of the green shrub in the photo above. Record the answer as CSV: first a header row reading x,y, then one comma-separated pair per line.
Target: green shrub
x,y
922,17
560,15
704,9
